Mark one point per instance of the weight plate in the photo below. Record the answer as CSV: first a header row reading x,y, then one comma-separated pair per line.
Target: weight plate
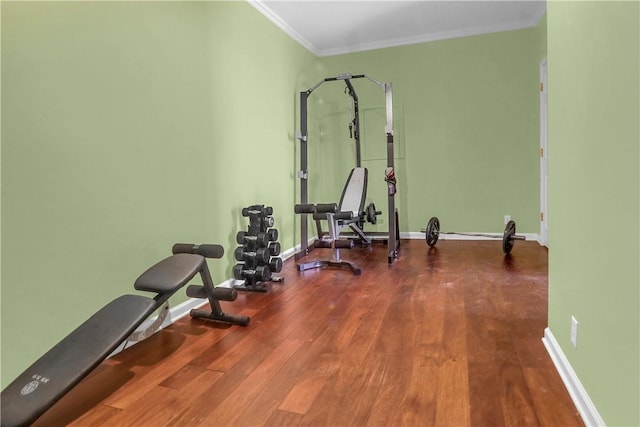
x,y
371,214
507,237
433,231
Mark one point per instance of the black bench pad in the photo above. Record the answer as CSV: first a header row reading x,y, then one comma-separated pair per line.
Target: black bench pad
x,y
69,361
170,274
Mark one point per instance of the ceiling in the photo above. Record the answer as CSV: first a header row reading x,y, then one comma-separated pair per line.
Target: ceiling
x,y
334,27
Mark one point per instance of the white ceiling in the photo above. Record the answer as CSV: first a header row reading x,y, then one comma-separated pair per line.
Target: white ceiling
x,y
334,27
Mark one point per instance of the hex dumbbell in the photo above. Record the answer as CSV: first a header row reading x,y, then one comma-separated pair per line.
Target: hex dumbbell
x,y
261,273
275,264
261,239
259,256
257,210
274,248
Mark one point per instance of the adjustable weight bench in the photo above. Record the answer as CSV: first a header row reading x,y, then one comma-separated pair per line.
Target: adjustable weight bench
x,y
349,212
330,213
48,379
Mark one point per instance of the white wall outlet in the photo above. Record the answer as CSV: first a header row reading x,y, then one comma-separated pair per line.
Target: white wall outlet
x,y
507,218
574,332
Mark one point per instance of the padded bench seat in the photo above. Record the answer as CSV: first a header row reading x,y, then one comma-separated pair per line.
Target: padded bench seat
x,y
170,274
69,361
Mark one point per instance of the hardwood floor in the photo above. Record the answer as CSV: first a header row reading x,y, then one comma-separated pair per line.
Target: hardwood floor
x,y
444,337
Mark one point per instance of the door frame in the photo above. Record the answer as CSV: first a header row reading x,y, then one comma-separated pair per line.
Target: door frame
x,y
544,156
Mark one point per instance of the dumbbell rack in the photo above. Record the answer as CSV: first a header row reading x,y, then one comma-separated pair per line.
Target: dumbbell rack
x,y
258,256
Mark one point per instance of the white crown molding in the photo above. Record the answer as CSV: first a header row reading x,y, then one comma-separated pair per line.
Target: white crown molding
x,y
405,41
474,31
271,16
537,17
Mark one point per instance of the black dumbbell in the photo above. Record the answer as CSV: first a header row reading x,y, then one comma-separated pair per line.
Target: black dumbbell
x,y
275,264
261,273
260,255
274,248
273,234
269,221
261,239
257,210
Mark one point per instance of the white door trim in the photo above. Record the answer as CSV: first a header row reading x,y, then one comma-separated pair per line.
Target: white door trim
x,y
544,149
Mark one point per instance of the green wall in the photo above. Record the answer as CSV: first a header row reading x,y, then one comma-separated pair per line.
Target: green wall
x,y
126,127
467,126
594,191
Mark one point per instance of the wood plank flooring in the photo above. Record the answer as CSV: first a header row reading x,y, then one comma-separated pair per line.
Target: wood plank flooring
x,y
449,336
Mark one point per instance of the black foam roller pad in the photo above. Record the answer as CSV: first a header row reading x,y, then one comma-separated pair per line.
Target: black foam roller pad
x,y
326,207
344,215
206,250
210,251
225,294
299,209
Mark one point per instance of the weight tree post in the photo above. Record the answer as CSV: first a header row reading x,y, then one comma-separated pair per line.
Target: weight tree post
x,y
390,177
356,120
303,173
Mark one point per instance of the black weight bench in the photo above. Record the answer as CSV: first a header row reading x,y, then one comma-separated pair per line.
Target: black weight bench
x,y
73,358
349,212
333,216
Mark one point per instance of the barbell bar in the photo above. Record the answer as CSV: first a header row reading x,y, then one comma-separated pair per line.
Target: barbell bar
x,y
432,232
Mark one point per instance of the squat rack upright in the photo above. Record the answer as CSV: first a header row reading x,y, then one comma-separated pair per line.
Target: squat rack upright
x,y
393,235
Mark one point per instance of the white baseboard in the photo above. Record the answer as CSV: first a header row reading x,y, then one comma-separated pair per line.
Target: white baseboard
x,y
578,394
419,235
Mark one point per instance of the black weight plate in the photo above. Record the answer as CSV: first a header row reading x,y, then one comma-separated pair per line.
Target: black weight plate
x,y
507,237
371,214
433,231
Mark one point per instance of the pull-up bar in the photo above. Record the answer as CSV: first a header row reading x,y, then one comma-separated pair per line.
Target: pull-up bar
x,y
393,235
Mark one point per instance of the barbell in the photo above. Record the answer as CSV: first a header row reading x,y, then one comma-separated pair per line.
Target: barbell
x,y
432,232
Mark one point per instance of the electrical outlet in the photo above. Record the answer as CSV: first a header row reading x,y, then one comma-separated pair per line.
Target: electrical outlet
x,y
574,332
507,218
